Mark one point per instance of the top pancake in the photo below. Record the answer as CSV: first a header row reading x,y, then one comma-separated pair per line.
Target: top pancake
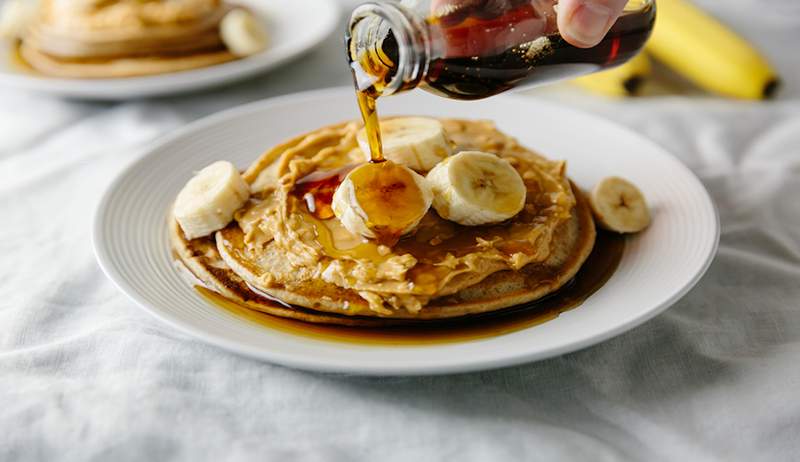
x,y
126,28
230,270
123,38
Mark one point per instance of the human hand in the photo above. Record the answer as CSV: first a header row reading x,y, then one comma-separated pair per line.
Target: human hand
x,y
584,23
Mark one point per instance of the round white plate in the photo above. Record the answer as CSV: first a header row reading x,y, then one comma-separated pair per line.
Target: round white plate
x,y
658,267
292,30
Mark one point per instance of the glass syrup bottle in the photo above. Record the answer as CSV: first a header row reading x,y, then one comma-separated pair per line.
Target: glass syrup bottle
x,y
473,49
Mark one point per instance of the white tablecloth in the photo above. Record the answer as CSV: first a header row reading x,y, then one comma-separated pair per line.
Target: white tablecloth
x,y
86,375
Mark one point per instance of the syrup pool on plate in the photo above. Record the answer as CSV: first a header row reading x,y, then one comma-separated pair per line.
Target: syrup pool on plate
x,y
598,269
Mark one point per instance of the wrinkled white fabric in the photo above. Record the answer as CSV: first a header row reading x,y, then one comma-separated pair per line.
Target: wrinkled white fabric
x,y
86,375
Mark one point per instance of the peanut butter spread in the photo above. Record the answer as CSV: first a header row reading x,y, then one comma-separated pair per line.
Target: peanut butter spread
x,y
283,239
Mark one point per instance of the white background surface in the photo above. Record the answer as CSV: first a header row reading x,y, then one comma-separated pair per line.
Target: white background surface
x,y
85,375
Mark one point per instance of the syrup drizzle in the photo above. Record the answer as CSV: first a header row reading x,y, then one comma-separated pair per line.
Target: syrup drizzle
x,y
367,104
316,190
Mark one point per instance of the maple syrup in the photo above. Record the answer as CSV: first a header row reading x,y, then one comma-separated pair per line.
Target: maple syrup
x,y
367,105
316,190
595,272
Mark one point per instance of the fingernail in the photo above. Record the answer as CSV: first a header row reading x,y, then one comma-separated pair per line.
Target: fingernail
x,y
589,23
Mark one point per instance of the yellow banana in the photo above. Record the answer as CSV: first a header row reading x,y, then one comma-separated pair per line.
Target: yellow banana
x,y
622,80
696,45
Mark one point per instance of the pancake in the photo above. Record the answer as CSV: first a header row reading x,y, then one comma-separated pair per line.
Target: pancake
x,y
82,36
123,15
96,39
222,265
324,303
119,67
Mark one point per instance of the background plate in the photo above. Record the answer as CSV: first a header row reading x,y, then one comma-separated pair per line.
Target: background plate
x,y
292,31
659,265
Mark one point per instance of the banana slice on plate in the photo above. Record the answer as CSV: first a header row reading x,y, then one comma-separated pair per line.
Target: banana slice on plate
x,y
208,201
416,142
476,188
242,32
619,206
382,201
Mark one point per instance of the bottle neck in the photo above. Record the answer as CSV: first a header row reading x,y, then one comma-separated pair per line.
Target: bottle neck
x,y
387,47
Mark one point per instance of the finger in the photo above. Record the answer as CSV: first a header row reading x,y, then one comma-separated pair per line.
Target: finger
x,y
584,23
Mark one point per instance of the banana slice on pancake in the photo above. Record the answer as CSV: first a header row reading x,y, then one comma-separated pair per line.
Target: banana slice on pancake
x,y
476,188
382,201
208,201
242,32
619,206
416,142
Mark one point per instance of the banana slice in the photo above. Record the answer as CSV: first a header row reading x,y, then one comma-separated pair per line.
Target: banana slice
x,y
242,32
208,201
382,201
16,16
476,188
419,143
619,206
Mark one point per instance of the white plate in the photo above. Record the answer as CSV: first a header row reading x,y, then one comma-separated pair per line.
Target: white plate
x,y
292,30
658,267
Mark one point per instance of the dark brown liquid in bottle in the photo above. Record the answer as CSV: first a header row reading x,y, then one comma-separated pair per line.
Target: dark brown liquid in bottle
x,y
547,58
599,267
474,64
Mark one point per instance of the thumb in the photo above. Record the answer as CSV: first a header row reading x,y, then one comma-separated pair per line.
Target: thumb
x,y
584,23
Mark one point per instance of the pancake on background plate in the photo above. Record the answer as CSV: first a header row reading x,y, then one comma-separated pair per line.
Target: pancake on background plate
x,y
125,38
283,240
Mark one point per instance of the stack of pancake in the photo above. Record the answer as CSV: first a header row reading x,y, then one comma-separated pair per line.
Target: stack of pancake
x,y
275,248
123,38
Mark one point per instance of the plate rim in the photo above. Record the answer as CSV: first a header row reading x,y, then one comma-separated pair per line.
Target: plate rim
x,y
349,367
194,79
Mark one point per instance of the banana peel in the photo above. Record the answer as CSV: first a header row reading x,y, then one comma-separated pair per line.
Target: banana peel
x,y
620,81
709,54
